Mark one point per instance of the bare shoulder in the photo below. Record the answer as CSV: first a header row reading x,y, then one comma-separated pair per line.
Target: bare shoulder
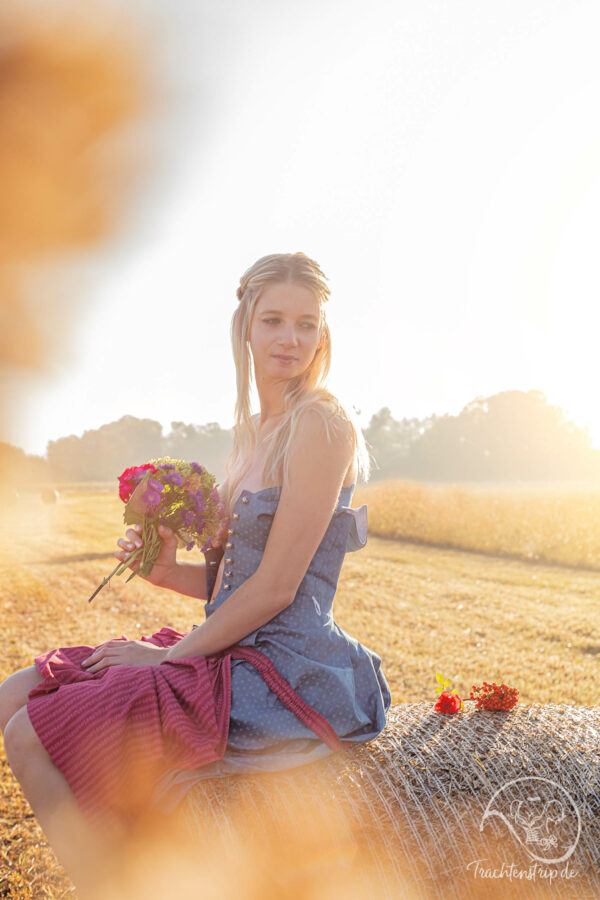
x,y
330,428
317,465
321,446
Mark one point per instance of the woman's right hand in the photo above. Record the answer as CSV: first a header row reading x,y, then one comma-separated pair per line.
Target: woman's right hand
x,y
165,561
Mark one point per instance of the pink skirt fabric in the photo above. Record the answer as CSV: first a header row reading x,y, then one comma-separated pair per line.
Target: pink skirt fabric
x,y
113,733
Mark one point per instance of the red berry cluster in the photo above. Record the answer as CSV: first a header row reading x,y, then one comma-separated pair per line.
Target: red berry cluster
x,y
494,696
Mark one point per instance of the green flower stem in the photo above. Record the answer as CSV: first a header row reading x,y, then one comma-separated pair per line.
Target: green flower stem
x,y
118,570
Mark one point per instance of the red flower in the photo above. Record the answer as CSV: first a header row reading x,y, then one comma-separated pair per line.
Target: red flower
x,y
448,703
130,478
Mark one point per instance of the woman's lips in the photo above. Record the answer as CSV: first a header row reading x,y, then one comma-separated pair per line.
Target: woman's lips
x,y
284,359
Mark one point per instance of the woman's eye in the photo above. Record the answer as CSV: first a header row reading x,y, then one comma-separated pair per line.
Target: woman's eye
x,y
272,321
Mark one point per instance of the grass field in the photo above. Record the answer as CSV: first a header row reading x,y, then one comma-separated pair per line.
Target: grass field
x,y
471,609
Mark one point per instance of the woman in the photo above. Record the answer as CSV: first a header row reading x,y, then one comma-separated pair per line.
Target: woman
x,y
268,593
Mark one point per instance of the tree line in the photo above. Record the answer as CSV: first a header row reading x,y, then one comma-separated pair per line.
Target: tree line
x,y
510,436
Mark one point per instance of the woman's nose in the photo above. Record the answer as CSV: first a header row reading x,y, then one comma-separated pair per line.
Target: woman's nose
x,y
288,337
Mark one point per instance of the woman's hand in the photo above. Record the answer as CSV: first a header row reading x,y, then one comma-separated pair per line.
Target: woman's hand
x,y
165,561
119,652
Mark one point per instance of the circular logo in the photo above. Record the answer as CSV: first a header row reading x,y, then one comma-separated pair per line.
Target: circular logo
x,y
540,814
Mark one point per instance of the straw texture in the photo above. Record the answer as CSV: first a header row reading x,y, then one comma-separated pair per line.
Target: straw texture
x,y
405,814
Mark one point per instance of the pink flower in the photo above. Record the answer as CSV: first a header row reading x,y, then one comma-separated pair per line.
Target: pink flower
x,y
129,479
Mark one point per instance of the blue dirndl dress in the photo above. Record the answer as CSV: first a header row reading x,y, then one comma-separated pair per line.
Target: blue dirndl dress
x,y
334,673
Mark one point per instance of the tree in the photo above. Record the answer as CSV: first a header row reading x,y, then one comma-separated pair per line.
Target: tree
x,y
513,435
389,441
20,468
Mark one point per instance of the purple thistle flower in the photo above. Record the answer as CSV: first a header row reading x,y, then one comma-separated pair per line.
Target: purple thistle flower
x,y
207,543
199,500
155,485
151,498
174,478
190,546
197,468
188,517
166,466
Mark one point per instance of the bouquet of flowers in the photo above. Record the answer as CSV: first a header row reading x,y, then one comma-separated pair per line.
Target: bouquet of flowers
x,y
174,493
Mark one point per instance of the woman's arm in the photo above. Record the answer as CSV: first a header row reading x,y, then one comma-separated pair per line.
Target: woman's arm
x,y
187,578
317,469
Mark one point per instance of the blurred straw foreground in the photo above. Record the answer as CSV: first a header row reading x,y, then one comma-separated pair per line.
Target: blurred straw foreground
x,y
72,88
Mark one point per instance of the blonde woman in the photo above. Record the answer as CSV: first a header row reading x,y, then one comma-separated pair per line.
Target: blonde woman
x,y
295,686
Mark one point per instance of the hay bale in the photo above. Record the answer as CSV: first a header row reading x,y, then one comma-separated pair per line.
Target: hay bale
x,y
405,815
49,496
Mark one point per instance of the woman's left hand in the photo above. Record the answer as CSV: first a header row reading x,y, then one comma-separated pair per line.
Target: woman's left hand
x,y
124,653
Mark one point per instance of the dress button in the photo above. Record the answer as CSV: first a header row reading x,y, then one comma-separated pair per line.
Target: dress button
x,y
228,545
228,561
228,574
245,500
227,586
230,531
236,515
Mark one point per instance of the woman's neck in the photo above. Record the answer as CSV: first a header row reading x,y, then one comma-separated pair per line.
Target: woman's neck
x,y
263,418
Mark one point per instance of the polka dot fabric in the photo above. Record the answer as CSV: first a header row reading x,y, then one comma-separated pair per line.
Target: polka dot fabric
x,y
329,669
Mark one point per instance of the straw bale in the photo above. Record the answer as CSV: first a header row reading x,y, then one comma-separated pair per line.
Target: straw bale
x,y
402,815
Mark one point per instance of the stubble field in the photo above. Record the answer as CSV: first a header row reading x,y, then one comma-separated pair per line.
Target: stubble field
x,y
479,584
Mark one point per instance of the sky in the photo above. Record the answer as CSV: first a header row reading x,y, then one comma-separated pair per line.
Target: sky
x,y
441,162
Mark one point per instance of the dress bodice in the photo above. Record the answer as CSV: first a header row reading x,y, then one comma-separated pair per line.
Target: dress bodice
x,y
250,524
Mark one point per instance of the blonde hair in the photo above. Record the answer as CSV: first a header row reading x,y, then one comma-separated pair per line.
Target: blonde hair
x,y
305,391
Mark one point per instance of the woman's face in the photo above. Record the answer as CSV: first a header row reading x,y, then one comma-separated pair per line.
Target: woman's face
x,y
285,324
